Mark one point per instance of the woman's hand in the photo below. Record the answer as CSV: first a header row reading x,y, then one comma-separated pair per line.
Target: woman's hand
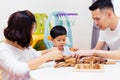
x,y
48,50
55,54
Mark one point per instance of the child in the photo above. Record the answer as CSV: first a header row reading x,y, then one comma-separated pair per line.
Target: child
x,y
58,36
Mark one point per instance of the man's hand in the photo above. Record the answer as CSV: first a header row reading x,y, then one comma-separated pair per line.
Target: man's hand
x,y
82,53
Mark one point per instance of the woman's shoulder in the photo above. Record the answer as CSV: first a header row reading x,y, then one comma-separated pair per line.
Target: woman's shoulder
x,y
2,45
5,47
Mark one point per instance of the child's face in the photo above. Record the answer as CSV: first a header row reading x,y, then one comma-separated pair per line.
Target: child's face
x,y
60,41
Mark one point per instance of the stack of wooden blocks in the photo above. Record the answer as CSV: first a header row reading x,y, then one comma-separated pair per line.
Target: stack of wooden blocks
x,y
85,63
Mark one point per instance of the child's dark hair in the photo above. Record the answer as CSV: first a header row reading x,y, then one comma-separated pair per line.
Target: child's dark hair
x,y
102,4
58,31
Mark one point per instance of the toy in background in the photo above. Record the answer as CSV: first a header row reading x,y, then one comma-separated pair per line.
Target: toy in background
x,y
60,18
40,21
38,36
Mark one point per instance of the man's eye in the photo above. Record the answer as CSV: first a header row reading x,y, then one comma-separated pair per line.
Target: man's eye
x,y
97,18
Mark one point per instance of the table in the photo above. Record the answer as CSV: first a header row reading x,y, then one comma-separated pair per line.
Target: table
x,y
48,72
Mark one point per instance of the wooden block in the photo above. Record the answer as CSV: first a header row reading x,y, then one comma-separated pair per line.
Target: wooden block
x,y
70,60
67,57
86,66
110,62
60,64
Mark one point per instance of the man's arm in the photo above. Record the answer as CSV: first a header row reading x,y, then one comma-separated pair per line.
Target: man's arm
x,y
100,45
115,54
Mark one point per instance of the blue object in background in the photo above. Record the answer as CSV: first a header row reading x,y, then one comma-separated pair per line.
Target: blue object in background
x,y
60,18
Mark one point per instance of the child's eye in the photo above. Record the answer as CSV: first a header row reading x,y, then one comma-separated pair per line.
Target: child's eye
x,y
59,40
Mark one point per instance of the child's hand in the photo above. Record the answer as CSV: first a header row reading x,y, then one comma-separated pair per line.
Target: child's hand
x,y
74,49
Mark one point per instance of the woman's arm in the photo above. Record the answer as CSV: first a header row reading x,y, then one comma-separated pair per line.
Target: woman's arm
x,y
35,63
9,63
48,50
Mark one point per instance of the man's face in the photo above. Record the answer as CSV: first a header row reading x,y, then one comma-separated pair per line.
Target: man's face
x,y
100,18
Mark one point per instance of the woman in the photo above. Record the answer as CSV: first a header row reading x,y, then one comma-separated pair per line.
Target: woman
x,y
17,58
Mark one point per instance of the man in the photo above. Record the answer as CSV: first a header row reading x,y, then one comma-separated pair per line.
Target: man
x,y
102,12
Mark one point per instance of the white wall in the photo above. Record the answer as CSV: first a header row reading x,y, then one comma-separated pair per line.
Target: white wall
x,y
116,4
81,30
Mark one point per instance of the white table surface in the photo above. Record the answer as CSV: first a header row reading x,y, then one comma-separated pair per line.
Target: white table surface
x,y
48,72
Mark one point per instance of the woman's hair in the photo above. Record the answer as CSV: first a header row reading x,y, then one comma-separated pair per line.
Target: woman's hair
x,y
58,31
19,29
102,4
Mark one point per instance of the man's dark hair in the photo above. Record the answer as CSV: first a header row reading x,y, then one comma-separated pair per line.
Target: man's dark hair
x,y
102,4
58,31
19,27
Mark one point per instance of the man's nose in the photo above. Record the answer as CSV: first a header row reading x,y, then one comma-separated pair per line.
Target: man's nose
x,y
96,23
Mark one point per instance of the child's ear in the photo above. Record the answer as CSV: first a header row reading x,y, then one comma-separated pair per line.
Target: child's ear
x,y
52,39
